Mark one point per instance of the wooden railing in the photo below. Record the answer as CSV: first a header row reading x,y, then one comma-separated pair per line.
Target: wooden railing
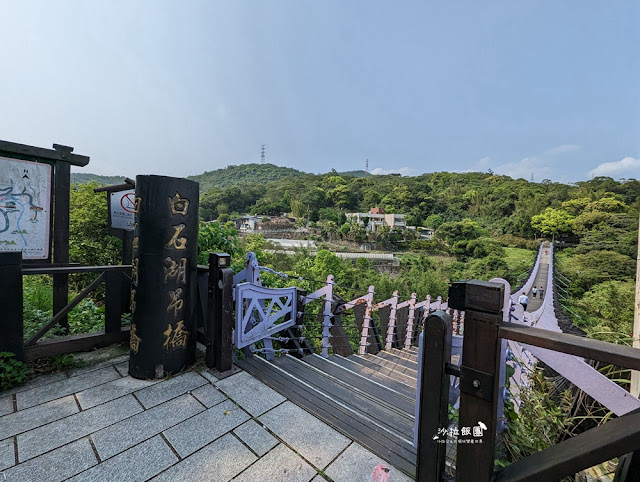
x,y
482,303
11,300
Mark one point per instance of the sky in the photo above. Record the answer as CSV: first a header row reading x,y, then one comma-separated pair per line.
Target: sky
x,y
532,89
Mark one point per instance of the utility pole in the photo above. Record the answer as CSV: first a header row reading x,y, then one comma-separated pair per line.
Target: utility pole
x,y
635,375
262,154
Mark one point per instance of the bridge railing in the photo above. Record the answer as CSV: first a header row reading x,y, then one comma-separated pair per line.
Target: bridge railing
x,y
483,303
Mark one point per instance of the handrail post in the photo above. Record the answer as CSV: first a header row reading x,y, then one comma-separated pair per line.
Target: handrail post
x,y
113,301
482,303
410,318
220,311
366,322
12,327
391,327
433,396
326,317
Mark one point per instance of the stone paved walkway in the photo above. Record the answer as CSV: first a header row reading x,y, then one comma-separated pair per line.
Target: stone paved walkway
x,y
100,424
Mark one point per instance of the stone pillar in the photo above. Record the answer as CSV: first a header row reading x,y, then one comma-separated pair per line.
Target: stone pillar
x,y
163,279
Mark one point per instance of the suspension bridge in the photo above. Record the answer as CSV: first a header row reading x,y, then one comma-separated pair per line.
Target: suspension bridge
x,y
363,381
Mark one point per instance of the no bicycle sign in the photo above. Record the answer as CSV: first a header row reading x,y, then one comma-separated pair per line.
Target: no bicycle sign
x,y
122,209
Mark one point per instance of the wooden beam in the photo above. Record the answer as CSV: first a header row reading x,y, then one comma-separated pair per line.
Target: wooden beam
x,y
75,269
59,153
635,375
482,303
614,438
620,355
74,343
433,393
11,322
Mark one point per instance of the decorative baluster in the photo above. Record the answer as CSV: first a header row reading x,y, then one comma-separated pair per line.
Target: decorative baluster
x,y
362,349
412,309
326,320
439,303
455,320
392,321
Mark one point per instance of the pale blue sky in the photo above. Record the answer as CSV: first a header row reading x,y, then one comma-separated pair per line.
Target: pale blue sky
x,y
179,87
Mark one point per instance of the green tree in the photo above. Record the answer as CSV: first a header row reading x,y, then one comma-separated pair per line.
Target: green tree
x,y
433,221
216,237
456,231
89,240
552,221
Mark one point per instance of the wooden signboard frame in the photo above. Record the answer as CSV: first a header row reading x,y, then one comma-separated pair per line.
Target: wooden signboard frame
x,y
61,158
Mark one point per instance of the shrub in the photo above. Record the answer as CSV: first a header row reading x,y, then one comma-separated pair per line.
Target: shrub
x,y
12,372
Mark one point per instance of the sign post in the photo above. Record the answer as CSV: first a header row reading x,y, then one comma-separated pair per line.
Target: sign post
x,y
163,276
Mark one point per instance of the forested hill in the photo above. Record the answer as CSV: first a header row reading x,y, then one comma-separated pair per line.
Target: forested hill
x,y
229,176
81,178
244,174
499,203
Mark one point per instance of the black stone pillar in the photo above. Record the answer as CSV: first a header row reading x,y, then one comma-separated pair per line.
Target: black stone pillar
x,y
163,281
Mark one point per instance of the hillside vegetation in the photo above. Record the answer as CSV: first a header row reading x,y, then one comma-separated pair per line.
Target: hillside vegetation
x,y
244,174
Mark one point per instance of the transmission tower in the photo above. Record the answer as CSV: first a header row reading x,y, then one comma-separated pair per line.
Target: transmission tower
x,y
367,168
262,154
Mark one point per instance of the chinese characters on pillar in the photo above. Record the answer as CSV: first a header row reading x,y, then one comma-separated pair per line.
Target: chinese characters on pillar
x,y
175,270
134,339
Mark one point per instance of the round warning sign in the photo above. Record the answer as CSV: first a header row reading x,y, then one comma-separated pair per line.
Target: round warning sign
x,y
128,202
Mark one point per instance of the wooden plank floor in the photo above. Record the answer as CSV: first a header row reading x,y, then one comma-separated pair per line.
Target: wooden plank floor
x,y
377,417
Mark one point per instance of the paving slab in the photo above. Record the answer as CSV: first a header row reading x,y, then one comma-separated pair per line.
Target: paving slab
x,y
28,419
251,394
209,395
168,389
7,453
125,434
56,434
311,438
96,365
55,466
209,376
123,368
139,463
6,405
111,390
39,381
198,431
219,461
256,437
62,388
280,465
356,464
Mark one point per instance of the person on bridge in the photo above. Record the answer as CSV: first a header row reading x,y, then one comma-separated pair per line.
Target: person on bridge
x,y
523,300
541,293
534,291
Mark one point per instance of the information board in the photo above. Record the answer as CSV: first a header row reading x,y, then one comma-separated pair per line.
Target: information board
x,y
123,209
25,207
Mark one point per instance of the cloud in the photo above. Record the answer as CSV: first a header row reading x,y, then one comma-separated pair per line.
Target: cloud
x,y
525,168
484,162
626,167
562,148
479,166
405,171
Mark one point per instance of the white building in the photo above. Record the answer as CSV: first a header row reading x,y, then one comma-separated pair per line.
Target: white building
x,y
376,217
